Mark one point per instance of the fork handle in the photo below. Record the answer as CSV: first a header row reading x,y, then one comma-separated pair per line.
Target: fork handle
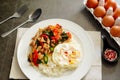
x,y
6,19
8,32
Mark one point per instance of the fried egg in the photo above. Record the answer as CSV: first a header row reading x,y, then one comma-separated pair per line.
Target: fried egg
x,y
67,55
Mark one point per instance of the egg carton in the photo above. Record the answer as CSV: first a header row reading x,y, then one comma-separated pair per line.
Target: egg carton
x,y
117,39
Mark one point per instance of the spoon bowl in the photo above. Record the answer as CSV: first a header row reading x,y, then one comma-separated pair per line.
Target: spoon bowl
x,y
35,15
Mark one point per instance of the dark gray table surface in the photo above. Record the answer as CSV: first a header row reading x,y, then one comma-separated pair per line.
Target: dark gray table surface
x,y
73,10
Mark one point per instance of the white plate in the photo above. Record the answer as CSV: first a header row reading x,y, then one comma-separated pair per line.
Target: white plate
x,y
81,36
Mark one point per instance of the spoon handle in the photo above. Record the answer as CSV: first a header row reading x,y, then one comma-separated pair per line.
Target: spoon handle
x,y
8,32
6,19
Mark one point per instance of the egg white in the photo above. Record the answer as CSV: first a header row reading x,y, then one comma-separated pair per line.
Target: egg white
x,y
67,60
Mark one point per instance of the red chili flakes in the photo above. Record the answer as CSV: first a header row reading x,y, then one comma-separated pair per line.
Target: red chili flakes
x,y
66,52
110,54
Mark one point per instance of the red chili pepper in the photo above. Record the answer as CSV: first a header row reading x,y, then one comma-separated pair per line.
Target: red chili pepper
x,y
55,32
66,52
35,57
44,35
69,34
42,44
54,38
58,26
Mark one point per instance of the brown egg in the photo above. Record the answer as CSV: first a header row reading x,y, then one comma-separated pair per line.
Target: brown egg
x,y
108,21
99,11
92,3
111,3
116,13
106,1
115,31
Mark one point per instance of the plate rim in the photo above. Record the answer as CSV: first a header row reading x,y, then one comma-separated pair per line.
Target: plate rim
x,y
91,42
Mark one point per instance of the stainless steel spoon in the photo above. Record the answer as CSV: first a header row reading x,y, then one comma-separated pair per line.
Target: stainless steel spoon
x,y
17,14
32,17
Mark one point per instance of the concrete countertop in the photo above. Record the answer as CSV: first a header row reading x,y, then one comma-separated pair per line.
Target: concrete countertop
x,y
73,10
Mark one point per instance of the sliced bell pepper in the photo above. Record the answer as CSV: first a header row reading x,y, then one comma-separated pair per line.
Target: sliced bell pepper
x,y
35,57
